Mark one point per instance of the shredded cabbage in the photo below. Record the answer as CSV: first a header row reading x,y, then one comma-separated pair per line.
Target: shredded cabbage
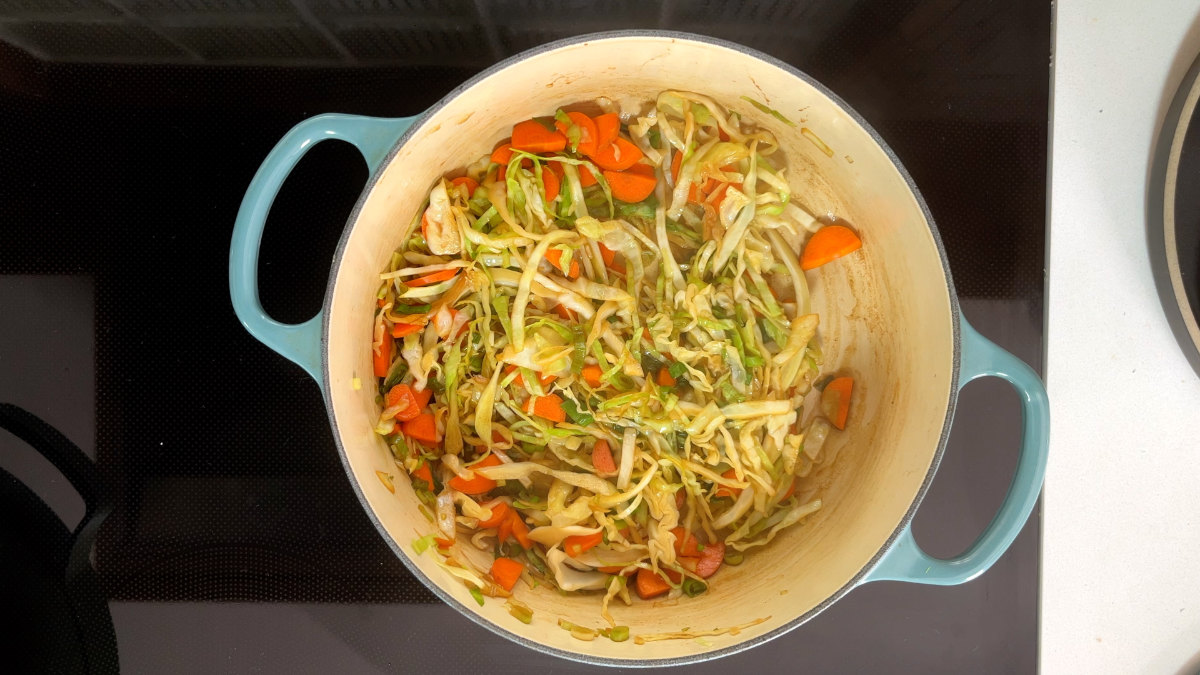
x,y
633,370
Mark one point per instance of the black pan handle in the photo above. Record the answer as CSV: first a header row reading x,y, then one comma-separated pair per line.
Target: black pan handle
x,y
75,466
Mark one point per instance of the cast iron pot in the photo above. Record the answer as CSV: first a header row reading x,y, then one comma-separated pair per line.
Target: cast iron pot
x,y
889,316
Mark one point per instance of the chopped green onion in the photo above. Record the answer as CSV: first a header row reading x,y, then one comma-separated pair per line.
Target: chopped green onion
x,y
773,113
421,545
478,595
616,633
519,611
693,587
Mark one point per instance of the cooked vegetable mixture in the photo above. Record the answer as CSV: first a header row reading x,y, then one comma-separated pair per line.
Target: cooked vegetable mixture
x,y
593,351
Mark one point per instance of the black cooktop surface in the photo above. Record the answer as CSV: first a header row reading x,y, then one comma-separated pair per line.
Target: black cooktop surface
x,y
236,543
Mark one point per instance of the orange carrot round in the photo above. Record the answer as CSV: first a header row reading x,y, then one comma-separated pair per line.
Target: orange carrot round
x,y
686,543
550,183
586,179
632,185
422,396
422,429
608,127
381,360
547,407
401,329
789,491
591,374
618,156
422,472
555,255
500,513
506,572
828,243
502,155
432,278
835,400
610,259
587,132
531,136
665,379
650,585
402,393
520,531
479,484
544,378
710,559
602,457
467,182
577,545
728,491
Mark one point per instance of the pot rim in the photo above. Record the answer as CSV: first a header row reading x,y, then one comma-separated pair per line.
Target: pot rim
x,y
858,577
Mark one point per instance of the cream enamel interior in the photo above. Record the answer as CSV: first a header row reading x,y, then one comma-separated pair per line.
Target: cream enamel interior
x,y
886,318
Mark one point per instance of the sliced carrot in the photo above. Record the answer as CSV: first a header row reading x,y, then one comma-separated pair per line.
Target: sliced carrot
x,y
586,179
591,374
616,569
551,181
721,133
602,457
520,531
422,396
718,195
506,572
710,559
402,393
619,156
577,545
828,243
632,185
665,379
676,165
432,278
382,359
588,138
504,529
790,491
479,484
650,585
422,429
610,259
500,513
467,182
401,329
502,155
686,543
519,380
608,128
555,255
547,407
564,311
835,400
443,543
531,136
422,472
728,491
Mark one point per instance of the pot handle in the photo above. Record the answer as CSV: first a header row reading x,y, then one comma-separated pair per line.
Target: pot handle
x,y
905,561
374,137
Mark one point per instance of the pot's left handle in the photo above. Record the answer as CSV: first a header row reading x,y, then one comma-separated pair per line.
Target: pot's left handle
x,y
374,137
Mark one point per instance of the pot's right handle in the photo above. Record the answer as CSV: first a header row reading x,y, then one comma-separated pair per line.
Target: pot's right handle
x,y
905,561
374,137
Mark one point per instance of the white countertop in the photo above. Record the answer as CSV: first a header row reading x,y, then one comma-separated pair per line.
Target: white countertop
x,y
1121,523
